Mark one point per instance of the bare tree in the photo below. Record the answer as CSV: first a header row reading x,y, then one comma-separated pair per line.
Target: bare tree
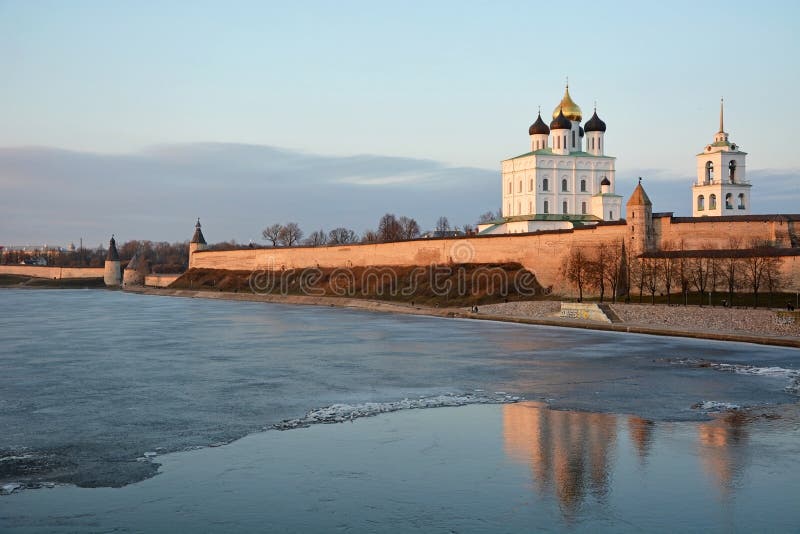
x,y
316,238
342,236
731,267
651,277
684,274
667,274
468,229
409,228
576,269
389,228
273,233
487,217
442,225
598,265
754,267
773,276
699,275
290,234
614,273
370,236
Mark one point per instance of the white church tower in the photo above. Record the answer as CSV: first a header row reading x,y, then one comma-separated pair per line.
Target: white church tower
x,y
721,187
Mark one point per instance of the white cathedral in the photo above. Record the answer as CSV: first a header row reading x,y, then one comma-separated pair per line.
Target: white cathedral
x,y
560,183
567,180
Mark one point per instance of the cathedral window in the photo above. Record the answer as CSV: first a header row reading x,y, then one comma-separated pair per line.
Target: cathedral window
x,y
545,185
729,201
546,207
530,187
712,202
573,138
583,208
564,207
583,186
701,203
732,171
509,188
563,185
530,207
741,201
592,143
709,172
610,215
558,141
519,189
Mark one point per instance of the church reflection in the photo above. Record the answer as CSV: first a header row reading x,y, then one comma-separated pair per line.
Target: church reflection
x,y
569,453
723,450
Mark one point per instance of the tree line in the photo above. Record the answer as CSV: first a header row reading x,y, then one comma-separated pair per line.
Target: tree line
x,y
390,228
674,269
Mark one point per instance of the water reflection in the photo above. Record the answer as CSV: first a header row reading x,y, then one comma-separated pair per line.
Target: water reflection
x,y
572,454
723,451
569,453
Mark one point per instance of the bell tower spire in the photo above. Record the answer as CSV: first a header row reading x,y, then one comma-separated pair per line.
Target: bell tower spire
x,y
721,115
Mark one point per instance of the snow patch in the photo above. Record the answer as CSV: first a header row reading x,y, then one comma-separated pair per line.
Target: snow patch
x,y
715,406
792,375
8,489
339,413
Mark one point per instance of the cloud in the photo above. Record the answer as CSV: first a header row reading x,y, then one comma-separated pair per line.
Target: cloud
x,y
58,196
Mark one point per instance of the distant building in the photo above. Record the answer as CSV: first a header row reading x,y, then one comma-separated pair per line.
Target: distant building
x,y
566,180
721,187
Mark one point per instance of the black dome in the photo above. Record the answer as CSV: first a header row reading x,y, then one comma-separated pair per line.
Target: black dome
x,y
595,124
605,181
539,127
560,122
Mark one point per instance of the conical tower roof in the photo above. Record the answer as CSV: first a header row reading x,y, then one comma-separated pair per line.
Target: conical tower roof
x,y
112,255
539,127
639,197
198,234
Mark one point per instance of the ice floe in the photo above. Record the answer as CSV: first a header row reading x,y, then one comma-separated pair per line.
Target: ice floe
x,y
715,406
338,413
792,375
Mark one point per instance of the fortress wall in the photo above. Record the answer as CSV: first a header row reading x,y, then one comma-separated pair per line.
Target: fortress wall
x,y
53,273
717,234
160,280
542,254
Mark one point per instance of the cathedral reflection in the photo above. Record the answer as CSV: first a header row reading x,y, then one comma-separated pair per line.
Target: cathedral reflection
x,y
722,447
569,453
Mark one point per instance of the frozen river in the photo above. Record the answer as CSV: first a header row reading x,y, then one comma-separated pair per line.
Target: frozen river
x,y
97,388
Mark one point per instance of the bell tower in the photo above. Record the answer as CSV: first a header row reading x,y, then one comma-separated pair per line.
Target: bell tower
x,y
721,187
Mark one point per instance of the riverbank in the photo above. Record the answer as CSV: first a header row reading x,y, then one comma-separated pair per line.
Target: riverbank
x,y
722,324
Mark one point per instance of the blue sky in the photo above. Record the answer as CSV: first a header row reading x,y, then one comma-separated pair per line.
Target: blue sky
x,y
91,90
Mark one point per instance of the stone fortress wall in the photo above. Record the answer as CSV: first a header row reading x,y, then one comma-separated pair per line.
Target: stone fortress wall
x,y
52,273
543,253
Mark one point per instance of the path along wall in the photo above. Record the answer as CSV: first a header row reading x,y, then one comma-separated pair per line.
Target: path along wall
x,y
53,273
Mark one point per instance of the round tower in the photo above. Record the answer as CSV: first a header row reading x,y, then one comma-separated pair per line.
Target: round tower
x,y
539,133
560,128
595,131
112,276
197,243
639,218
134,273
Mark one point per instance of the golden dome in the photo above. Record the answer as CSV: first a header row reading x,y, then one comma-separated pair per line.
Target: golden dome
x,y
570,109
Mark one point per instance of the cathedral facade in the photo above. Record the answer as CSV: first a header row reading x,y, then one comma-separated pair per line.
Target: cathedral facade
x,y
565,180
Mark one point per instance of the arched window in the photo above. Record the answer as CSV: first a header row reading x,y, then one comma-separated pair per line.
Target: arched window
x,y
564,185
564,207
729,201
519,189
583,186
709,171
573,138
530,187
712,202
732,171
592,143
545,184
558,141
583,208
546,207
509,188
508,209
701,203
519,208
610,215
530,207
741,201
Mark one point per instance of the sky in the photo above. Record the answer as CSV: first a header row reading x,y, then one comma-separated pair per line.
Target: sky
x,y
135,118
